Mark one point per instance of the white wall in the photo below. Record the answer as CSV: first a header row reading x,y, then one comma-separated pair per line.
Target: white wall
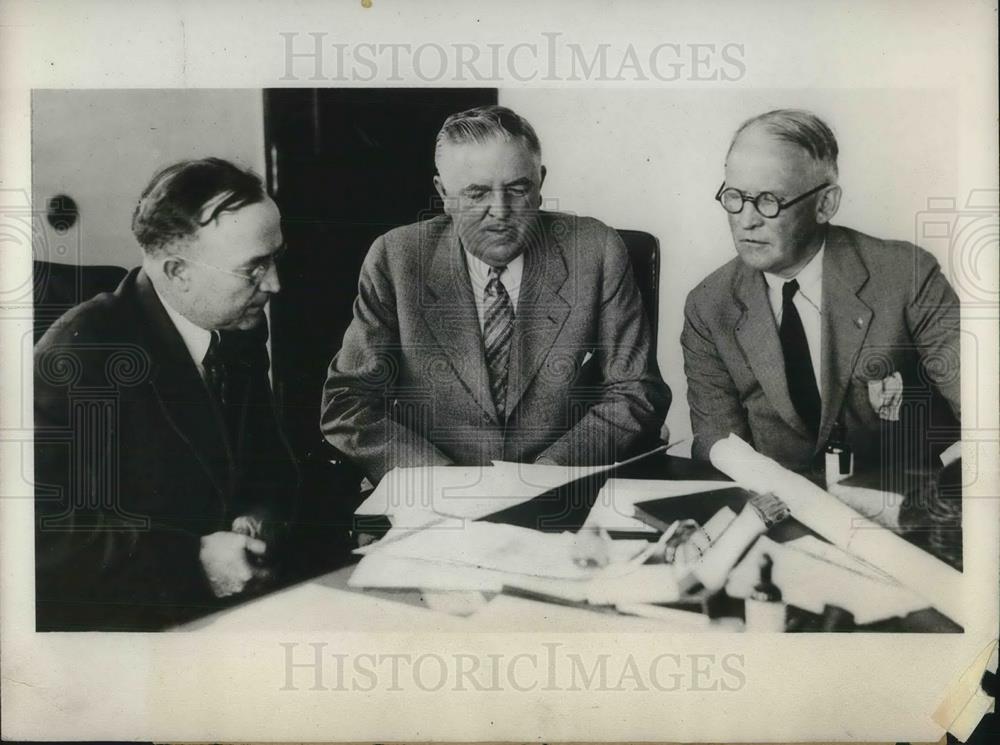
x,y
653,159
101,147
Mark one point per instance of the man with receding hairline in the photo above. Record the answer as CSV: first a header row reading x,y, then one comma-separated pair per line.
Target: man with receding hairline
x,y
816,332
496,331
166,485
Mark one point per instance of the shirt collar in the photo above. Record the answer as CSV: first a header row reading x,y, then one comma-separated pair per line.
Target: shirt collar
x,y
195,338
809,277
479,272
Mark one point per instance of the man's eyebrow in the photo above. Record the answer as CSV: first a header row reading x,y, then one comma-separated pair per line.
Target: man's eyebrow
x,y
256,260
476,187
523,181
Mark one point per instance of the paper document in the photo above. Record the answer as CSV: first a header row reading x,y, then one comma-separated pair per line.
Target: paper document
x,y
643,583
613,508
501,547
467,491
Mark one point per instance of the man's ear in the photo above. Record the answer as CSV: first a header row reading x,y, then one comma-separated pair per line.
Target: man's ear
x,y
828,204
541,180
439,186
175,269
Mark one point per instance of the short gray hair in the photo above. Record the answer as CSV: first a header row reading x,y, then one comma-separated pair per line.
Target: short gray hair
x,y
798,127
485,123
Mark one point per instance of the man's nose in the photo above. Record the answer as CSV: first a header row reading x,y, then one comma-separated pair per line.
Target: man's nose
x,y
749,217
500,204
271,282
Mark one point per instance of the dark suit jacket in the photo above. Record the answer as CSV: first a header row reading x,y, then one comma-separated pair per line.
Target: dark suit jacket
x,y
886,308
410,386
133,466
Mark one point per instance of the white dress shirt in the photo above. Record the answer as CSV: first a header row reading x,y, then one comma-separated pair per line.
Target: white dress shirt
x,y
808,302
479,275
197,339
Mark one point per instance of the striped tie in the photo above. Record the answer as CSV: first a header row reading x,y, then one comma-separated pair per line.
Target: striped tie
x,y
498,327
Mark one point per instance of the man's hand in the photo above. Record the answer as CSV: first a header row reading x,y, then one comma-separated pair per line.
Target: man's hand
x,y
226,559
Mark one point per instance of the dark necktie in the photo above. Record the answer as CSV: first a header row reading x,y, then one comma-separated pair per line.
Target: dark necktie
x,y
236,371
798,364
265,477
498,328
236,366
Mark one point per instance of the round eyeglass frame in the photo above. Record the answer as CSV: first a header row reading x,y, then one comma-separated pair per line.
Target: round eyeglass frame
x,y
762,201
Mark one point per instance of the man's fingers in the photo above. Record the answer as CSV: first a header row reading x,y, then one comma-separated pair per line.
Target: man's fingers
x,y
256,546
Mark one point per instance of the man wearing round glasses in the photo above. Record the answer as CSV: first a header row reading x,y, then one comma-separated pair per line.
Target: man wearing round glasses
x,y
816,332
174,487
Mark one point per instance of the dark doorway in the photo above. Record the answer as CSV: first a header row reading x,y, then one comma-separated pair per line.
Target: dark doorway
x,y
344,166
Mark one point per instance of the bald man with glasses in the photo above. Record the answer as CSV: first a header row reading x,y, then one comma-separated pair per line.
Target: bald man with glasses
x,y
816,333
165,484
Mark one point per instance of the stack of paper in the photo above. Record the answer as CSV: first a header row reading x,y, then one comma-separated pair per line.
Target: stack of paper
x,y
499,547
489,557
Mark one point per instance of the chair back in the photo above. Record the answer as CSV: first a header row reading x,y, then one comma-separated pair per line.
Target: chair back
x,y
58,287
644,253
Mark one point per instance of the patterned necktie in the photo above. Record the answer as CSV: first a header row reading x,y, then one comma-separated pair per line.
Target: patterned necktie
x,y
498,327
798,364
215,369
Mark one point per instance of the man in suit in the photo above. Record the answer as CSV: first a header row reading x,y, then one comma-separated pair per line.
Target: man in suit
x,y
495,331
165,485
816,332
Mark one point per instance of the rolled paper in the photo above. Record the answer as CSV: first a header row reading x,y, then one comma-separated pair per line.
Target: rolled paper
x,y
700,540
714,567
820,511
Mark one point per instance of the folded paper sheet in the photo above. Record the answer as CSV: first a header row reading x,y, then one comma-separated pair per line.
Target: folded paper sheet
x,y
815,508
468,492
499,547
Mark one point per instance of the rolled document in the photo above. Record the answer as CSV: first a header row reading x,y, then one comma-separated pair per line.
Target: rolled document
x,y
820,511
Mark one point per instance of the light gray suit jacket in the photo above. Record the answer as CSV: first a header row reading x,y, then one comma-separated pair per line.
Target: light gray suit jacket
x,y
410,387
886,308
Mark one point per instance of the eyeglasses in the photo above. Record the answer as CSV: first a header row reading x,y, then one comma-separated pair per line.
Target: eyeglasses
x,y
255,276
766,203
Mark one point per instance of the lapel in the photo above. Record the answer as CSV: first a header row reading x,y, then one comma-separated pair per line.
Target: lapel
x,y
541,309
757,334
281,371
182,394
846,320
449,309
